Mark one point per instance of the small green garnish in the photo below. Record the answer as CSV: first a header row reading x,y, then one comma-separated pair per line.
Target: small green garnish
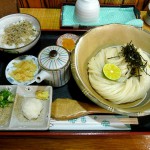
x,y
6,97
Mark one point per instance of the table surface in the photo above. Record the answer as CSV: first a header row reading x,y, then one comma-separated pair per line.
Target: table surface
x,y
78,143
117,141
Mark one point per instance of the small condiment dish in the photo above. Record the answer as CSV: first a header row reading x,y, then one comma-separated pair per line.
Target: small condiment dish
x,y
67,41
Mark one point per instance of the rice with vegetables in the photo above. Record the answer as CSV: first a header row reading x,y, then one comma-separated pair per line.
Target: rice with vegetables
x,y
17,34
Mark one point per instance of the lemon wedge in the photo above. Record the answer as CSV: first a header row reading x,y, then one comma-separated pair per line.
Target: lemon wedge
x,y
111,71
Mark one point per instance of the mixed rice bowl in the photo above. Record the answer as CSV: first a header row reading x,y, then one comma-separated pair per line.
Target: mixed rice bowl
x,y
18,31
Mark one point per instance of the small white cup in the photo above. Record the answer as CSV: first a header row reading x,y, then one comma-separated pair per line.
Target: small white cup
x,y
87,11
147,17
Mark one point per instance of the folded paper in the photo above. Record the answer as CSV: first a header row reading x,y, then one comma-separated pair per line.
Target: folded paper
x,y
91,122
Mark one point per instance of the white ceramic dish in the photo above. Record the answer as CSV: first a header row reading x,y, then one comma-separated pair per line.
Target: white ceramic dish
x,y
18,121
68,36
5,113
10,67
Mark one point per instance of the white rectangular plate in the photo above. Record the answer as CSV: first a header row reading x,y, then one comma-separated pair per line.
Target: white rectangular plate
x,y
18,121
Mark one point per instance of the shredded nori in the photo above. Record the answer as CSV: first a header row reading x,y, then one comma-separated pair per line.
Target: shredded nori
x,y
135,61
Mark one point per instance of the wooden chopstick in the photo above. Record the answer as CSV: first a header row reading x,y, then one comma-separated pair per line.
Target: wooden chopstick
x,y
129,120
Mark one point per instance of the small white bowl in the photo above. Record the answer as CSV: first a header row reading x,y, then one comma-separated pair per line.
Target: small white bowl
x,y
12,19
87,11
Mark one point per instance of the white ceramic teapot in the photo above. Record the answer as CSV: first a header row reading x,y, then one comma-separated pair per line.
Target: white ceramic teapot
x,y
54,62
87,10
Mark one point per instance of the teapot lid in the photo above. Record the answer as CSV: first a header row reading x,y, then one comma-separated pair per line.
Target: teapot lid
x,y
53,58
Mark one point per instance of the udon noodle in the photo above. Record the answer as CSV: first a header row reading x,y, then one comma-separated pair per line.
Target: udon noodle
x,y
125,89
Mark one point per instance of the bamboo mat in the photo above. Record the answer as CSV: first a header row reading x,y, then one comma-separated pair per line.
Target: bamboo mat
x,y
50,18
